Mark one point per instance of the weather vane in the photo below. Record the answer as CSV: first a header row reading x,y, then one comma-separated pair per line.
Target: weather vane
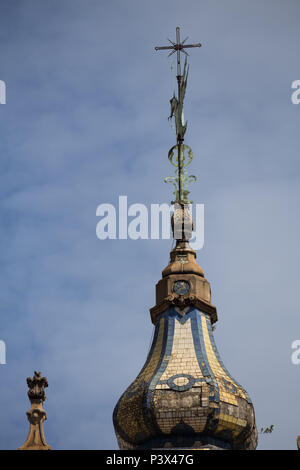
x,y
181,180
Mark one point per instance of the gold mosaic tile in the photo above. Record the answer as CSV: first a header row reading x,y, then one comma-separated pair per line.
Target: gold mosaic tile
x,y
217,369
183,358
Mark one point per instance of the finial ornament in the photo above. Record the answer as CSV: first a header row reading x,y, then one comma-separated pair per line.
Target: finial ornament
x,y
181,178
184,156
36,415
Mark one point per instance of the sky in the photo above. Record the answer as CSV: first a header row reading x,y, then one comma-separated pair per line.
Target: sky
x,y
85,121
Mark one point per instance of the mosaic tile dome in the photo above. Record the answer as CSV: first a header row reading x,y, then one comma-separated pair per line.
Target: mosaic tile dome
x,y
184,397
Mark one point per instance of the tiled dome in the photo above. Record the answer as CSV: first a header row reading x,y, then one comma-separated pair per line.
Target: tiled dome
x,y
184,396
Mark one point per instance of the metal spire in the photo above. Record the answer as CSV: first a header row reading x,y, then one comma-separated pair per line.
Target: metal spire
x,y
181,180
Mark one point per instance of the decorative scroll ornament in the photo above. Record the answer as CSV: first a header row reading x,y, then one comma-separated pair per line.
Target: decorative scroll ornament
x,y
181,180
36,415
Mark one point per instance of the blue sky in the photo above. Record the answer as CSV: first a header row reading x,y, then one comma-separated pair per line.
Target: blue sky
x,y
85,122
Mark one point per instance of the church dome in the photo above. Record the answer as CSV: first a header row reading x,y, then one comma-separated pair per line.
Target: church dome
x,y
184,396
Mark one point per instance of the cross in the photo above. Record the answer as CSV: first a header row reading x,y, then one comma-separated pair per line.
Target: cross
x,y
178,47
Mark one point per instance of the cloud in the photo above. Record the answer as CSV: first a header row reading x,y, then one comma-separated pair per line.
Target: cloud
x,y
85,122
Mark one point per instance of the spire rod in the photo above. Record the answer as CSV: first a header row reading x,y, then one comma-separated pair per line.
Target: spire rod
x,y
181,180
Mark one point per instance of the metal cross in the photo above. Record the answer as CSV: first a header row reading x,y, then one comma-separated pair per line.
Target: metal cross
x,y
178,47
